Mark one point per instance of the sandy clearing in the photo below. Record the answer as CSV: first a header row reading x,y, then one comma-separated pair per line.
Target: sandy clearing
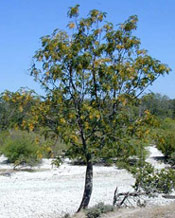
x,y
50,192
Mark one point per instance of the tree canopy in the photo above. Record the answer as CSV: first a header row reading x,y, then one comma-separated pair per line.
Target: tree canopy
x,y
15,107
92,74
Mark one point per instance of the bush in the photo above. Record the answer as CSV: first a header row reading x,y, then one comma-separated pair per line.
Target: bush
x,y
164,138
93,212
3,137
166,143
168,124
57,161
21,148
151,180
98,209
166,180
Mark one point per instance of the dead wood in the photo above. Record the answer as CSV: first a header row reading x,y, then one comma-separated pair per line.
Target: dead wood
x,y
124,198
169,196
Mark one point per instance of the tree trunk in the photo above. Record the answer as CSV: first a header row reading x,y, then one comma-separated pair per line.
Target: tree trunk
x,y
88,186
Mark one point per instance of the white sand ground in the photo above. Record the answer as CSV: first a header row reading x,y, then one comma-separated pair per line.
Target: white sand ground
x,y
51,192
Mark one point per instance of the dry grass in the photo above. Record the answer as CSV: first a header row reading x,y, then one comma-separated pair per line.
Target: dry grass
x,y
167,211
79,215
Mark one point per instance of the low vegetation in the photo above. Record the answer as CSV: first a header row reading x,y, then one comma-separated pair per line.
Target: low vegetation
x,y
154,181
21,148
165,139
98,210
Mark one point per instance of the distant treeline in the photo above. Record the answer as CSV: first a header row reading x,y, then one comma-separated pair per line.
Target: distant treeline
x,y
159,105
11,112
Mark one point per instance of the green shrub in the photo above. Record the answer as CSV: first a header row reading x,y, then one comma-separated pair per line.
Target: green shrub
x,y
144,178
166,143
105,208
98,209
168,124
165,138
93,212
21,148
3,136
151,180
57,161
166,180
49,147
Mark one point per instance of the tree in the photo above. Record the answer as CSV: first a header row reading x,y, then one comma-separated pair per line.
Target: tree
x,y
157,104
172,103
15,107
90,77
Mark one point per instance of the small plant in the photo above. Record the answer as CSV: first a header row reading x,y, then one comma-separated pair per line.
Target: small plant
x,y
166,143
151,180
93,212
166,181
98,209
105,208
67,215
164,138
57,161
20,148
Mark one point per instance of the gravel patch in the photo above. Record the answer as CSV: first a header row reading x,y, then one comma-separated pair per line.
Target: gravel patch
x,y
48,192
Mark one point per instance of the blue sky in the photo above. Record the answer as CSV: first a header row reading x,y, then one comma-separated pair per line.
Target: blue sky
x,y
23,22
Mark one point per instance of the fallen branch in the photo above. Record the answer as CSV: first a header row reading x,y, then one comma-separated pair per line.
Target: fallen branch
x,y
169,196
7,173
120,198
